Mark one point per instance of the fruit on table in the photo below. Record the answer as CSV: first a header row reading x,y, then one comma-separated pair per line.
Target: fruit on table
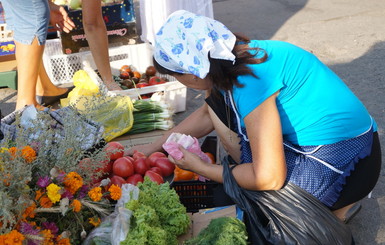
x,y
114,150
150,71
123,167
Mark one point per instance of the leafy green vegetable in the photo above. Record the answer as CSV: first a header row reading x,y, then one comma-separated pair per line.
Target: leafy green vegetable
x,y
158,216
221,231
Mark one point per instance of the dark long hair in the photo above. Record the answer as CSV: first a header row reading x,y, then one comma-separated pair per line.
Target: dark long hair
x,y
223,73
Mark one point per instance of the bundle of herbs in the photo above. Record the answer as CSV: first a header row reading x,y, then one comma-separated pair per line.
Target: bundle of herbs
x,y
158,216
151,115
221,231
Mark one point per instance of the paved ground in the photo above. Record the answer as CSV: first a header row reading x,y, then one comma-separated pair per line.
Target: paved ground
x,y
346,34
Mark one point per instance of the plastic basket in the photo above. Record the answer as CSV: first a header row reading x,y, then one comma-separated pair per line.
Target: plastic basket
x,y
139,57
195,195
61,67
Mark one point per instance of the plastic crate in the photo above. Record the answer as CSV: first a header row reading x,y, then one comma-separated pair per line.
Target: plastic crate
x,y
61,67
195,195
139,56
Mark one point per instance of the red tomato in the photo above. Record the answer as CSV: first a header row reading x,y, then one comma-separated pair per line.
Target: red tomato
x,y
153,157
114,150
156,170
142,85
134,179
138,154
117,180
154,80
140,166
154,177
124,75
129,158
150,71
125,68
165,166
108,167
123,167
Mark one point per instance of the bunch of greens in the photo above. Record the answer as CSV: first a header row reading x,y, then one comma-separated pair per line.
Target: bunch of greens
x,y
221,231
151,115
158,216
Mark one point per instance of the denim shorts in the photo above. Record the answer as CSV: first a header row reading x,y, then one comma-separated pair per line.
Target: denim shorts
x,y
27,19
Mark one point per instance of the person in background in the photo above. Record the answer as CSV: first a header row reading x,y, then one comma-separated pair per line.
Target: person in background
x,y
96,34
280,113
29,19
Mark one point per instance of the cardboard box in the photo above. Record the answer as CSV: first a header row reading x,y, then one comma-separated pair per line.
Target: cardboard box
x,y
139,139
120,23
201,219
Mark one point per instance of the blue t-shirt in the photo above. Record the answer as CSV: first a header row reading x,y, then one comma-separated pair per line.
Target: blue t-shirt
x,y
315,105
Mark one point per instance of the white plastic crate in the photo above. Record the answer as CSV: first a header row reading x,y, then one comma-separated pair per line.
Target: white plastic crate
x,y
5,35
139,56
60,67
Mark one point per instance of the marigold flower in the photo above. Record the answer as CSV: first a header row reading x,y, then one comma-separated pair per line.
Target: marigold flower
x,y
45,202
63,241
77,205
53,192
48,237
29,212
95,194
28,153
39,194
115,192
73,181
95,221
13,238
12,151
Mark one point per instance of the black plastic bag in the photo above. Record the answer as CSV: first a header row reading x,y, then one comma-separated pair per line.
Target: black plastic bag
x,y
287,216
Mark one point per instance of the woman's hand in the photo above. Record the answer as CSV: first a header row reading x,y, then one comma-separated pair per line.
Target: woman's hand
x,y
59,18
189,161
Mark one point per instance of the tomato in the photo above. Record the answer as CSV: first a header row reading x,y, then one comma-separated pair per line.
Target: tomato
x,y
150,71
137,75
153,157
154,80
117,180
140,166
156,170
108,167
154,177
123,167
181,174
124,75
142,85
134,179
114,150
165,166
129,158
138,154
125,68
211,156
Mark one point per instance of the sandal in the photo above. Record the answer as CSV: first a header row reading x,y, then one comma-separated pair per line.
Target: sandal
x,y
351,213
50,100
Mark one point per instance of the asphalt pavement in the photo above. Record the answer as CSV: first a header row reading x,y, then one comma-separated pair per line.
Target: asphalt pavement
x,y
348,35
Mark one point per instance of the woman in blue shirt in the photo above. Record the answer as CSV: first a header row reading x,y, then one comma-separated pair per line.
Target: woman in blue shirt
x,y
280,113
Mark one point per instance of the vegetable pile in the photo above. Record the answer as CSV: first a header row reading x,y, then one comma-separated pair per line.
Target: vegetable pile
x,y
132,169
158,216
221,231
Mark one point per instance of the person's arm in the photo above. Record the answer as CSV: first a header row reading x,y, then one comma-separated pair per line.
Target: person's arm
x,y
96,34
197,124
268,169
59,18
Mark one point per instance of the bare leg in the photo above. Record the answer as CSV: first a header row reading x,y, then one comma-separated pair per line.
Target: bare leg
x,y
28,65
44,86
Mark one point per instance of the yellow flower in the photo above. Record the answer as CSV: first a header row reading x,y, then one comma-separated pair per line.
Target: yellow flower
x,y
73,181
53,193
115,192
13,238
77,205
95,194
95,221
